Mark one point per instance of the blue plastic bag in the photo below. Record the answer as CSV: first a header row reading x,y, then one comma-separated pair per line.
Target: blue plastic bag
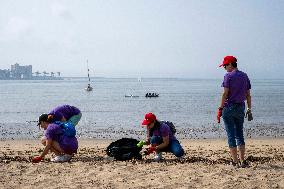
x,y
68,128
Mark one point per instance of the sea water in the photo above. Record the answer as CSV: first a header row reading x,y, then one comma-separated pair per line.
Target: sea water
x,y
191,104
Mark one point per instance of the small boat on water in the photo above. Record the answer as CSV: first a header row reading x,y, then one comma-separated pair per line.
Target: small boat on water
x,y
151,95
132,96
89,87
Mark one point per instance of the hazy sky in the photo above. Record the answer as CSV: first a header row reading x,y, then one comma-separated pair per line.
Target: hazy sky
x,y
143,38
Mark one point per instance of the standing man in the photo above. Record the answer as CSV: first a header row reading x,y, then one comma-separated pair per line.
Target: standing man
x,y
232,107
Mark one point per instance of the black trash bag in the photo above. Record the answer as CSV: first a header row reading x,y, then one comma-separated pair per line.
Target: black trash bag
x,y
124,149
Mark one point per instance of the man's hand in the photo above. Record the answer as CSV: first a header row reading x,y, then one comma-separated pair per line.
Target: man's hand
x,y
219,114
36,159
249,115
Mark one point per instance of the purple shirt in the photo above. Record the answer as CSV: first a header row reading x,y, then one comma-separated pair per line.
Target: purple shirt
x,y
66,111
238,83
164,131
56,133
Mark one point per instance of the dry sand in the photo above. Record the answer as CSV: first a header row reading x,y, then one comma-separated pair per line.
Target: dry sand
x,y
204,166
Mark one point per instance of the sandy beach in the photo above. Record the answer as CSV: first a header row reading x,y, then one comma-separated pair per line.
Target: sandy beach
x,y
204,166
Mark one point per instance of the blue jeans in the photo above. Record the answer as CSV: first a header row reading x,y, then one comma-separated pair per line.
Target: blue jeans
x,y
233,117
174,146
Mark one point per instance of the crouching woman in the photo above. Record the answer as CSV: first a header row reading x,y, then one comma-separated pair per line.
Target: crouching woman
x,y
161,137
56,141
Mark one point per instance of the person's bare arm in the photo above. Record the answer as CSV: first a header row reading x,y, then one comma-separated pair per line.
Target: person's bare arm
x,y
166,141
248,97
224,97
47,148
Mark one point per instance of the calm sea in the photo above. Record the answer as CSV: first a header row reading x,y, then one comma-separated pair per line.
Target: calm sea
x,y
190,103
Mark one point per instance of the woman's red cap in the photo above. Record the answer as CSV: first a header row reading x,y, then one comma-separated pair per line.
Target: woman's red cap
x,y
227,60
149,118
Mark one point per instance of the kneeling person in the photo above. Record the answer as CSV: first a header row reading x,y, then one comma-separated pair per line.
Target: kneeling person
x,y
160,136
56,141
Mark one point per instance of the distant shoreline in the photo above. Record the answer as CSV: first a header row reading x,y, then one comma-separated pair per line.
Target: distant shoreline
x,y
135,78
34,78
100,133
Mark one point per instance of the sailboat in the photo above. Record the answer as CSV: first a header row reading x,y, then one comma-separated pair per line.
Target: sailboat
x,y
89,87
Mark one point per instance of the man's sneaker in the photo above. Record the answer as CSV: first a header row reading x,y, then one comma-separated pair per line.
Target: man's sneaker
x,y
158,156
64,158
244,164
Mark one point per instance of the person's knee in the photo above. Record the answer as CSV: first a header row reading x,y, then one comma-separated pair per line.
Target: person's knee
x,y
178,152
176,149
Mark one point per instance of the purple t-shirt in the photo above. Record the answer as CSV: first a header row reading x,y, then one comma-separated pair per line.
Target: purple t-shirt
x,y
56,133
164,131
66,111
238,84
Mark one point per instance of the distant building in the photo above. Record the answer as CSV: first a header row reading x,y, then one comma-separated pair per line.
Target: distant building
x,y
5,74
21,72
26,72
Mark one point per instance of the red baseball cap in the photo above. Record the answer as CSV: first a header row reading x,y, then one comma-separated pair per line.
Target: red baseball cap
x,y
227,60
149,118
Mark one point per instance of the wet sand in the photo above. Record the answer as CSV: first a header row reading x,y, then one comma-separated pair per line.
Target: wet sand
x,y
211,131
206,165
